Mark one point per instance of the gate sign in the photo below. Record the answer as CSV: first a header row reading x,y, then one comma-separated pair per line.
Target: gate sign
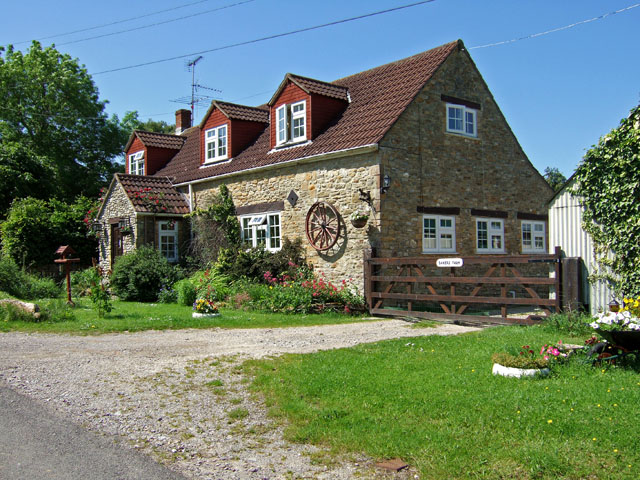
x,y
449,262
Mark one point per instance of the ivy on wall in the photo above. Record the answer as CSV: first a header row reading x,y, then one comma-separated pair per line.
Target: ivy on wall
x,y
608,180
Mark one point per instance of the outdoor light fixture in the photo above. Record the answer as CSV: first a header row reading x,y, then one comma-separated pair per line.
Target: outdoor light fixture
x,y
96,227
386,183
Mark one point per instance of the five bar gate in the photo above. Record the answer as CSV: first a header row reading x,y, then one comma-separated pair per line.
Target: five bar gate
x,y
406,281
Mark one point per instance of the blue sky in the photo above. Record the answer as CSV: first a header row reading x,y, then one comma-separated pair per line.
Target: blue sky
x,y
559,92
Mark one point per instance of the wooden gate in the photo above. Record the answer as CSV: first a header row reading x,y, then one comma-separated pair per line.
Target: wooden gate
x,y
409,286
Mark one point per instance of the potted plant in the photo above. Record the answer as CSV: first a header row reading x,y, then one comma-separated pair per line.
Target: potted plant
x,y
203,307
126,230
526,362
359,219
620,328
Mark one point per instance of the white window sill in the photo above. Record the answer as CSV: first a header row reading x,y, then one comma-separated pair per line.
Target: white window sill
x,y
462,135
534,252
439,252
285,146
490,252
209,163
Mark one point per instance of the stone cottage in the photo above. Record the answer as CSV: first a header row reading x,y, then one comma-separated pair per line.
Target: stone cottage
x,y
419,145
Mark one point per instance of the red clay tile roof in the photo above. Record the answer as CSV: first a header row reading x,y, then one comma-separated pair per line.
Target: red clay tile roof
x,y
378,97
311,85
159,140
238,112
153,194
242,112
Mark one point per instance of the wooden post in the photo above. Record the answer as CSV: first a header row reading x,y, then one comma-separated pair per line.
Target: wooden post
x,y
503,292
367,277
452,289
558,279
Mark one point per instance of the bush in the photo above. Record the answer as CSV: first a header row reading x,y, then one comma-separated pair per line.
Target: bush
x,y
139,275
186,292
168,294
252,264
34,229
81,282
57,311
18,283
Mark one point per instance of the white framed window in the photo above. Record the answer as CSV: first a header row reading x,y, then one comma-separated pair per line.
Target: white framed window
x,y
136,163
489,235
291,123
261,229
533,237
168,239
215,144
462,120
438,234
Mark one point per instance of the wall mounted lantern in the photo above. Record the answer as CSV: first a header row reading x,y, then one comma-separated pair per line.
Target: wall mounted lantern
x,y
386,183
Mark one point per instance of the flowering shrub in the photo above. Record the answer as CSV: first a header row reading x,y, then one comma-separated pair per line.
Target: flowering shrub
x,y
304,292
527,357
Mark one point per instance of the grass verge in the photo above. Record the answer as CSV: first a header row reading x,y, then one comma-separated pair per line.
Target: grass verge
x,y
134,316
434,402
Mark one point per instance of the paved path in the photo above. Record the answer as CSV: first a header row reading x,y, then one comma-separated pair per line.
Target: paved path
x,y
35,444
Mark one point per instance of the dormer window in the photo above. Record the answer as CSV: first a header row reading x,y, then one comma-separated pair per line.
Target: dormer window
x,y
291,123
216,144
136,163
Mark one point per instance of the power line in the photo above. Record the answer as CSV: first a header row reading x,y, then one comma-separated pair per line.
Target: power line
x,y
270,37
155,24
137,17
566,27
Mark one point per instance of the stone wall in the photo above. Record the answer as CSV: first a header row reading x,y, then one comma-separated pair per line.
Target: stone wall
x,y
117,205
335,181
432,168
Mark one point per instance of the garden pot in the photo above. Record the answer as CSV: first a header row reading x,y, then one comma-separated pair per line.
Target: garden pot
x,y
519,372
359,223
205,315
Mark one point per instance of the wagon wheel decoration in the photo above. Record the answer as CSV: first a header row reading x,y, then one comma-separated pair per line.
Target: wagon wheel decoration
x,y
323,226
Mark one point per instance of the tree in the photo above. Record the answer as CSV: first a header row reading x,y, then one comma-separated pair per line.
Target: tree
x,y
608,180
51,114
554,178
131,122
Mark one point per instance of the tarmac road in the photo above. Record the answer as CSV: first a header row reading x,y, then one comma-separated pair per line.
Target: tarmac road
x,y
35,444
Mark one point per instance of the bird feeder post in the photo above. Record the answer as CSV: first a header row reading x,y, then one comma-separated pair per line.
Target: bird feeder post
x,y
64,252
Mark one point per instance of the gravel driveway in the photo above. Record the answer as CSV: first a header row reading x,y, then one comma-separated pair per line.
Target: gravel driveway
x,y
180,396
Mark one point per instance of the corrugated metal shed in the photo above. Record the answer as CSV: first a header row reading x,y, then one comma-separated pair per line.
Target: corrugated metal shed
x,y
565,230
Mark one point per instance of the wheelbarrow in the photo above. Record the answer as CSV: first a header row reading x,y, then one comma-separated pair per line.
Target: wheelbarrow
x,y
617,345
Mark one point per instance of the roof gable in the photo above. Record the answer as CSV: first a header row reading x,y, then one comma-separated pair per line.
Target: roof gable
x,y
234,111
309,86
157,140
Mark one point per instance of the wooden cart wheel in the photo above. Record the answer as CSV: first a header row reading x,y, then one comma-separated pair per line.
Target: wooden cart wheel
x,y
323,226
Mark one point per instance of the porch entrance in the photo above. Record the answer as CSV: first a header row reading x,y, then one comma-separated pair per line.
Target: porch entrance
x,y
116,243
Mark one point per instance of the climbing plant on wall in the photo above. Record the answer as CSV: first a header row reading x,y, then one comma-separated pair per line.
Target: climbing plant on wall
x,y
608,180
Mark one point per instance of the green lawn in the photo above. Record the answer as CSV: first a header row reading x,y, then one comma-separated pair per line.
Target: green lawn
x,y
433,402
133,317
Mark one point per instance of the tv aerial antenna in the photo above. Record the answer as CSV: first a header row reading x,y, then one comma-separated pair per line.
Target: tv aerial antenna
x,y
196,96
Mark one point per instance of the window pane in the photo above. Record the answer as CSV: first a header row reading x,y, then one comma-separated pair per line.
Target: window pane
x,y
446,241
222,141
282,124
298,127
496,242
261,236
455,118
482,235
539,243
274,231
445,222
470,123
538,227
